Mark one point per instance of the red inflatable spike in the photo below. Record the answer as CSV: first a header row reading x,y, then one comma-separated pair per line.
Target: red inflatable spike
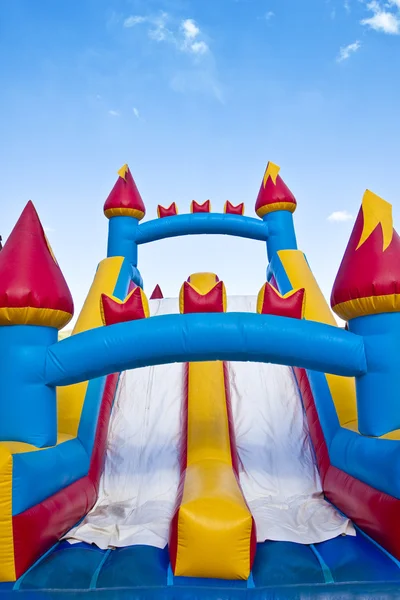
x,y
290,305
194,302
200,208
230,209
156,293
131,309
170,211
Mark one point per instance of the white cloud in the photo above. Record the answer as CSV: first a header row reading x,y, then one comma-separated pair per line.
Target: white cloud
x,y
346,51
199,48
191,43
134,20
383,20
114,113
190,29
268,15
187,38
136,112
160,32
346,5
340,216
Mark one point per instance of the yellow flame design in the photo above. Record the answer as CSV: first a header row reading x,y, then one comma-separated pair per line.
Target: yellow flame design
x,y
376,211
272,171
123,171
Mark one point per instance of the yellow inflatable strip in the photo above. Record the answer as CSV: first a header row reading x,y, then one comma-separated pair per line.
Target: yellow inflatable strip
x,y
7,566
214,522
343,389
70,398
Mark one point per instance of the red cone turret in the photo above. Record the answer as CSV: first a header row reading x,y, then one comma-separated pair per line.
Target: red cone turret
x,y
368,281
124,199
274,194
33,290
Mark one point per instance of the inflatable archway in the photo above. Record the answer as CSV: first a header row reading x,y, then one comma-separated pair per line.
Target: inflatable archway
x,y
56,396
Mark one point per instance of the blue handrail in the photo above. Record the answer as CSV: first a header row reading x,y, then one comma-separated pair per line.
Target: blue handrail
x,y
201,223
203,337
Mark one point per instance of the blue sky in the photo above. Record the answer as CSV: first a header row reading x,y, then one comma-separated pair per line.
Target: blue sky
x,y
197,96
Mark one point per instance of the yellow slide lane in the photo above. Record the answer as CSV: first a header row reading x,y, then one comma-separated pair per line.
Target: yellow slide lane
x,y
213,531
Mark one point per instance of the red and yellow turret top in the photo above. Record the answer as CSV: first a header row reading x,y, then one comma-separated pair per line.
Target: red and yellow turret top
x,y
274,194
368,281
33,290
124,199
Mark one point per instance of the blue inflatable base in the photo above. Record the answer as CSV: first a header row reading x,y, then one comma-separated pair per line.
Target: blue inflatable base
x,y
345,567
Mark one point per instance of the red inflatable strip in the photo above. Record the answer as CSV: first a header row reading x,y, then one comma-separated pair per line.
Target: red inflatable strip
x,y
48,521
232,436
235,456
314,425
173,535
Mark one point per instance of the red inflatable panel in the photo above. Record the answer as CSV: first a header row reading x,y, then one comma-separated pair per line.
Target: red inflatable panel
x,y
195,207
374,512
132,308
230,209
170,211
191,301
282,306
48,521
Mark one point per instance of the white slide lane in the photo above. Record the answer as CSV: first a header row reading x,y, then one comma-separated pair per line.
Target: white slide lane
x,y
278,474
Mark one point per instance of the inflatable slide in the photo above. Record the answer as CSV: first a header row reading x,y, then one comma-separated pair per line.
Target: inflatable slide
x,y
205,445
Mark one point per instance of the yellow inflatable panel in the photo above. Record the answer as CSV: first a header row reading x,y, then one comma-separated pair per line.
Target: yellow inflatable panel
x,y
214,526
70,398
343,389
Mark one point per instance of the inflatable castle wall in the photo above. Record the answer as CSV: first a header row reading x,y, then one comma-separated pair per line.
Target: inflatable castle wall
x,y
56,396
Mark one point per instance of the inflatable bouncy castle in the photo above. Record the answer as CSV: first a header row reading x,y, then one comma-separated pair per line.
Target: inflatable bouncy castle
x,y
206,445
